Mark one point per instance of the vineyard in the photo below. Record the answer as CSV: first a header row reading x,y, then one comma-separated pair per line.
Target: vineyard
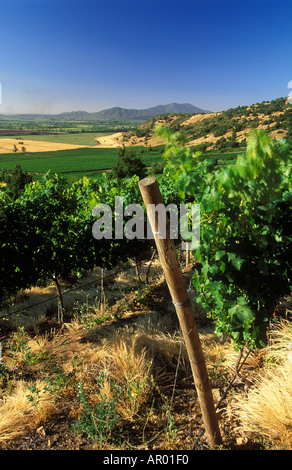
x,y
92,354
73,163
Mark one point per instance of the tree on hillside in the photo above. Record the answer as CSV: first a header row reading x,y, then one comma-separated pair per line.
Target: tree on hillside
x,y
288,116
128,164
233,139
16,181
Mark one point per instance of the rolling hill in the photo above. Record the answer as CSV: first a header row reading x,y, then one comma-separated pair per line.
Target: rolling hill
x,y
115,114
225,129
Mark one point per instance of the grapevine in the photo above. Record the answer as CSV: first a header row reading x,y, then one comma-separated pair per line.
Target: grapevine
x,y
245,246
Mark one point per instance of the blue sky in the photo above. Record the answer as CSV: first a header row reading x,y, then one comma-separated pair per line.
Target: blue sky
x,y
65,55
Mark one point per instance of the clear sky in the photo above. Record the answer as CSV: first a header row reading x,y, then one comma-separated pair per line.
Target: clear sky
x,y
69,55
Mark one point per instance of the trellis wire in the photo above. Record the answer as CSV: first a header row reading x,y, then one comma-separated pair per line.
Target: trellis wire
x,y
76,288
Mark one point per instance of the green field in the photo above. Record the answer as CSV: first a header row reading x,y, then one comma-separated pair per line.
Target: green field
x,y
224,157
75,162
80,138
87,161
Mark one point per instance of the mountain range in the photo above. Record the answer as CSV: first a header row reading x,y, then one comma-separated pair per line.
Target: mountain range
x,y
114,114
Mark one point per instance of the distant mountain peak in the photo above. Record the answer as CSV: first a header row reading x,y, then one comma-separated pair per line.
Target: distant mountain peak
x,y
121,114
148,113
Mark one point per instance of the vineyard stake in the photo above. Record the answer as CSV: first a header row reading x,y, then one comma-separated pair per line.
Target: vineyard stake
x,y
168,257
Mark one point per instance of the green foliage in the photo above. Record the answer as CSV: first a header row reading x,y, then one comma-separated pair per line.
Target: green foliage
x,y
35,395
45,234
16,181
156,168
288,118
53,385
98,420
128,164
16,258
245,248
61,222
20,351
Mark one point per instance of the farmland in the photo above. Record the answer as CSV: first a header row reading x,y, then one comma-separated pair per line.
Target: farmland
x,y
87,161
68,148
87,139
75,148
81,154
93,355
35,125
84,161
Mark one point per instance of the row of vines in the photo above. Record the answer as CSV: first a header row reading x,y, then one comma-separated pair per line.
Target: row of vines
x,y
46,232
245,249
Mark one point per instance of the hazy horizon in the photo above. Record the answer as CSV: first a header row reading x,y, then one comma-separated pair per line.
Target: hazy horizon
x,y
84,110
92,55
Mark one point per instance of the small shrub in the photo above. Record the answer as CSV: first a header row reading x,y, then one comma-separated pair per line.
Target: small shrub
x,y
98,420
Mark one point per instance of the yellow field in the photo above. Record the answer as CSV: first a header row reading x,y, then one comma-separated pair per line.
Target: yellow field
x,y
7,146
107,141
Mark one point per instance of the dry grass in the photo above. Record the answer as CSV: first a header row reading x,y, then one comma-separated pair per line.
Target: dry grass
x,y
145,355
280,343
133,357
110,141
141,353
266,411
18,414
142,357
117,140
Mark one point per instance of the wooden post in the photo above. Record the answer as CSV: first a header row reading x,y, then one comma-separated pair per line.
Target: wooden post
x,y
137,270
187,254
102,296
168,257
61,308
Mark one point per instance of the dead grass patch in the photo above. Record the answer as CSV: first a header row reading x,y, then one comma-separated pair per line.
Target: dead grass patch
x,y
18,414
142,353
266,410
7,146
